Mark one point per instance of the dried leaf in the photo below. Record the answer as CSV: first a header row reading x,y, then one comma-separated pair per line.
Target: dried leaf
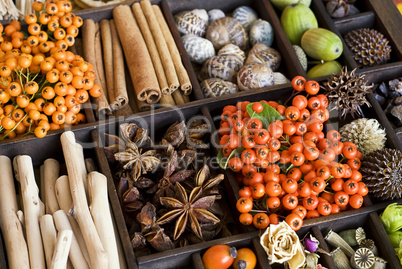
x,y
171,202
205,216
204,202
180,226
181,176
161,241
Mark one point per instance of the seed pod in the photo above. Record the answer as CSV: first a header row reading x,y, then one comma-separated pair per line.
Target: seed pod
x,y
362,259
369,243
335,240
340,259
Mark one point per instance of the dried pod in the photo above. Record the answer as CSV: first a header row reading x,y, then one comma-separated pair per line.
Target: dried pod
x,y
349,236
224,67
192,22
231,49
245,15
159,240
175,134
335,241
138,240
369,243
261,32
215,14
360,235
379,263
262,54
301,55
213,87
280,78
362,259
198,49
340,259
254,76
227,30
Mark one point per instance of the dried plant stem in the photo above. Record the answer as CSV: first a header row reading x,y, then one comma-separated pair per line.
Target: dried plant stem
x,y
50,175
97,254
66,201
49,237
76,256
101,215
32,209
16,246
62,249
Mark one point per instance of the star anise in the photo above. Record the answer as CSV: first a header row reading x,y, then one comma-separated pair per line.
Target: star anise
x,y
209,186
192,209
139,163
175,134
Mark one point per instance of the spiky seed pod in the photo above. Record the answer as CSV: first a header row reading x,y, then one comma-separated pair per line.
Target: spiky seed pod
x,y
382,173
369,47
362,259
367,134
346,92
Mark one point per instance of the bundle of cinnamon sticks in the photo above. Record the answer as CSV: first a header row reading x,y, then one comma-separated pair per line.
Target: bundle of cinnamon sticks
x,y
141,36
65,222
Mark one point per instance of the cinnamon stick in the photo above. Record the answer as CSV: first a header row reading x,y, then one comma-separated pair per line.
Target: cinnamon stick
x,y
63,244
120,88
16,246
161,45
99,59
178,98
167,100
106,37
97,254
88,43
185,83
137,56
31,204
153,50
50,175
49,237
101,215
80,253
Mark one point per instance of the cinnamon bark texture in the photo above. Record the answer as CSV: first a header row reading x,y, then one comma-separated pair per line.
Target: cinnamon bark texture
x,y
185,83
137,56
120,87
89,51
32,209
97,254
161,45
153,50
106,36
16,246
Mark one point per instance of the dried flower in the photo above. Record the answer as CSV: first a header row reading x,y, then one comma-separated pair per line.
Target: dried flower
x,y
367,134
311,244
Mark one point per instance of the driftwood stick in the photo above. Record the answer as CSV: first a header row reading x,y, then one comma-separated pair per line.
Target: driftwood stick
x,y
49,237
66,201
62,249
185,83
16,246
101,215
97,254
42,185
32,211
167,61
76,256
51,173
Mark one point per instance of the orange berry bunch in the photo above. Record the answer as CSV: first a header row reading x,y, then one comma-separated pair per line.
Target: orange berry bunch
x,y
42,85
287,165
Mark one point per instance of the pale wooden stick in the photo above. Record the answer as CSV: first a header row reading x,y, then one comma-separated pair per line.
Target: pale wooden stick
x,y
97,254
167,61
16,246
62,249
88,47
51,173
30,198
49,237
120,87
81,169
101,215
65,201
153,50
62,223
185,83
106,37
42,185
